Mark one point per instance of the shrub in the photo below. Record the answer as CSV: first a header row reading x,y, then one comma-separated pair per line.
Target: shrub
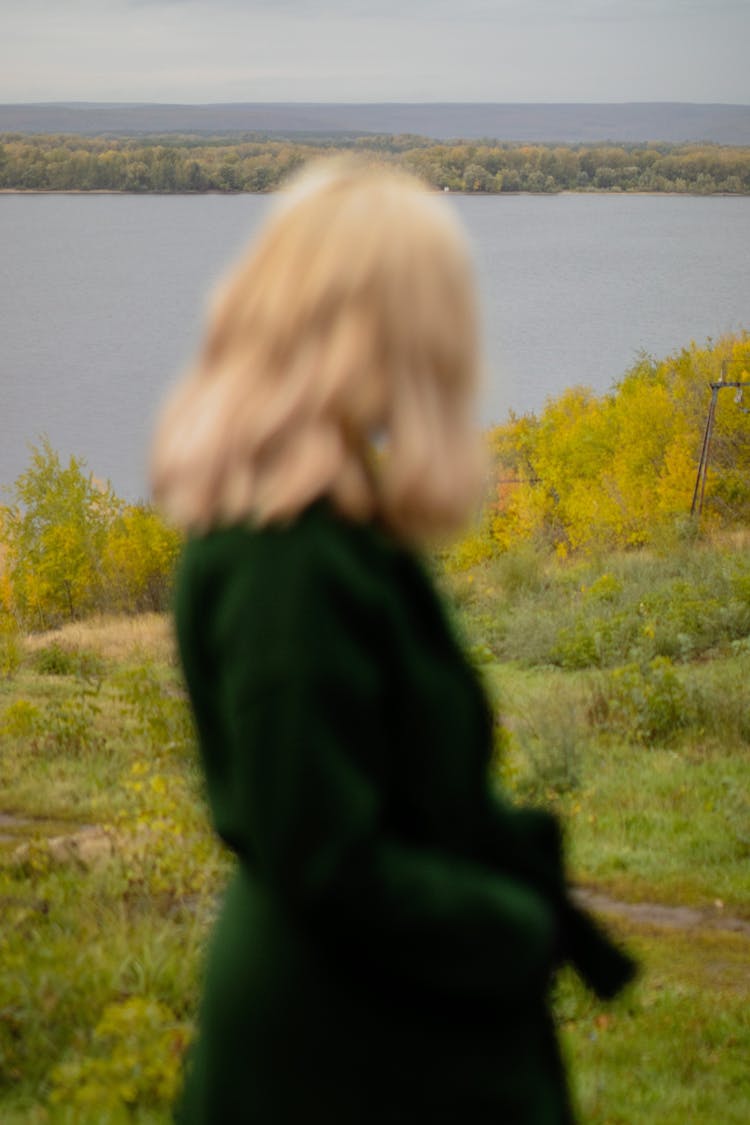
x,y
605,588
473,549
578,646
20,719
54,660
134,1062
139,559
647,702
520,570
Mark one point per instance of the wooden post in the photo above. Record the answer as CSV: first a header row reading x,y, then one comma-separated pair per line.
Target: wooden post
x,y
699,491
700,481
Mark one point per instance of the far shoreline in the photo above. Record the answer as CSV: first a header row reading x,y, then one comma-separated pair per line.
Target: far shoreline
x,y
438,191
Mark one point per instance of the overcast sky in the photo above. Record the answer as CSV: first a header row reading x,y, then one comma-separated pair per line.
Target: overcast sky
x,y
375,50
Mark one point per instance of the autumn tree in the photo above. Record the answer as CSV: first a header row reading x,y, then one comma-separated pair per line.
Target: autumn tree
x,y
612,470
54,533
139,559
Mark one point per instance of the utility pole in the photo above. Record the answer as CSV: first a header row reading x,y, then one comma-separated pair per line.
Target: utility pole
x,y
699,491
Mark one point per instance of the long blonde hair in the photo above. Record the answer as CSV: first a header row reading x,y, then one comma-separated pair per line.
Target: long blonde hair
x,y
349,325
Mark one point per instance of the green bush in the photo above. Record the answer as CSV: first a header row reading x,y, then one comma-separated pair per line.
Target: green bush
x,y
55,661
522,570
579,645
646,702
628,608
605,588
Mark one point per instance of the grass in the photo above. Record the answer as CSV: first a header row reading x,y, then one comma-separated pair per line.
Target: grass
x,y
668,821
637,733
674,1048
99,962
682,604
147,636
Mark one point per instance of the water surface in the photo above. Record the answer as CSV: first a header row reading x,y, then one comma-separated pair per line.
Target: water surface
x,y
102,297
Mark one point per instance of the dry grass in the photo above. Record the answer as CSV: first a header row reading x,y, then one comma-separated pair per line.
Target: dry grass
x,y
733,539
146,636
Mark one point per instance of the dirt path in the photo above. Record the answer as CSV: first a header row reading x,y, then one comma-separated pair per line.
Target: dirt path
x,y
659,914
89,844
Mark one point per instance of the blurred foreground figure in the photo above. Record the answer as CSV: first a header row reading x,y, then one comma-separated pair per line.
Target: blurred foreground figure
x,y
387,942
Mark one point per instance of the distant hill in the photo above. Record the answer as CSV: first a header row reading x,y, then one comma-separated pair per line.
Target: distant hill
x,y
672,122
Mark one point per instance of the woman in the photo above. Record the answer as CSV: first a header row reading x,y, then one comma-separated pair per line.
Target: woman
x,y
387,941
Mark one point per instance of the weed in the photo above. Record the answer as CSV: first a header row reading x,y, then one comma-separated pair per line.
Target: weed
x,y
160,708
133,1059
11,648
21,719
70,725
548,741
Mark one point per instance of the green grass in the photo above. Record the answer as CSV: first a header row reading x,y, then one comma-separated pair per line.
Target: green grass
x,y
99,965
665,820
674,1048
683,604
643,752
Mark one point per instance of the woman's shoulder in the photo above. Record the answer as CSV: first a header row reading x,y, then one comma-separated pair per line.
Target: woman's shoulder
x,y
317,538
320,556
319,590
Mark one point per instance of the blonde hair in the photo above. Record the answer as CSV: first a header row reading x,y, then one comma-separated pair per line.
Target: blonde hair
x,y
351,322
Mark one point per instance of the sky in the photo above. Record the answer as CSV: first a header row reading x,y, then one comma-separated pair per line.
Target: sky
x,y
192,51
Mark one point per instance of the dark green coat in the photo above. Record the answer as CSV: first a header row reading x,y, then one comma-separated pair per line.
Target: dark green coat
x,y
386,944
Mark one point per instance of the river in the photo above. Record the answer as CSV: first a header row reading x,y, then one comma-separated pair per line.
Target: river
x,y
102,298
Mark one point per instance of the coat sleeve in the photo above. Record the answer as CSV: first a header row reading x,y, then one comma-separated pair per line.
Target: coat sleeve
x,y
533,836
305,732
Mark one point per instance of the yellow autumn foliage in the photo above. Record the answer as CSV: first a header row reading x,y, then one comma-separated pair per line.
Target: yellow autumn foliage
x,y
70,547
139,556
589,472
601,471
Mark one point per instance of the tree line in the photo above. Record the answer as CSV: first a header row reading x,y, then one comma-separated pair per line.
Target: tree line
x,y
593,472
259,164
589,472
